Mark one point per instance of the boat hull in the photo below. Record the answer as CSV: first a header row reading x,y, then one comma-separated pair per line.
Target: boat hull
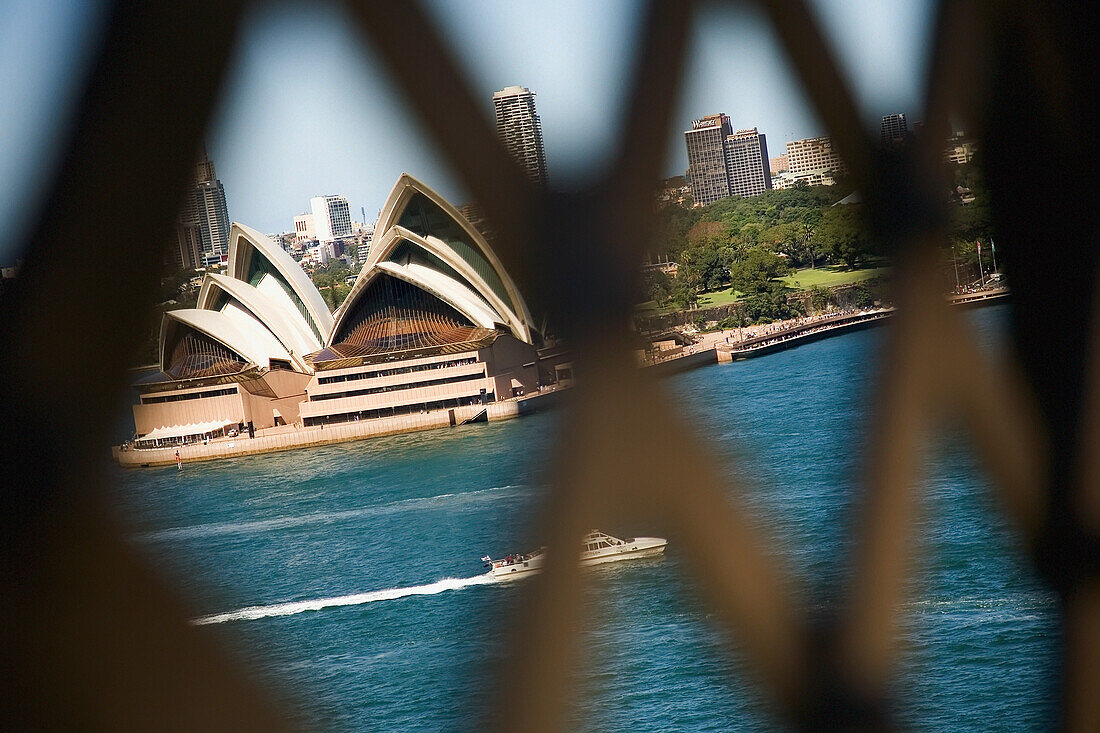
x,y
626,555
515,570
640,547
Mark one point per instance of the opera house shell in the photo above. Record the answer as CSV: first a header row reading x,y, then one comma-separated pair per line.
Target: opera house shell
x,y
433,322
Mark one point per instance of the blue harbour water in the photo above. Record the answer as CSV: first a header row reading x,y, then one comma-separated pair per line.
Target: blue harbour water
x,y
348,575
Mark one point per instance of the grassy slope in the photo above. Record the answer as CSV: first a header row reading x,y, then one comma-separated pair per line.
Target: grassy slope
x,y
828,277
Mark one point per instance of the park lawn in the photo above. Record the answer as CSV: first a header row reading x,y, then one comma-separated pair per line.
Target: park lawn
x,y
831,276
718,297
650,308
804,279
706,300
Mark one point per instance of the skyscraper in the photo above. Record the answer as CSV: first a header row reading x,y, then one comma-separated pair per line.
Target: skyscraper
x,y
202,230
213,218
331,218
747,166
187,252
814,154
520,130
707,158
894,127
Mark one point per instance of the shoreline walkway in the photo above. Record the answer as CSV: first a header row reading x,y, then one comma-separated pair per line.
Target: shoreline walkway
x,y
721,346
283,438
802,334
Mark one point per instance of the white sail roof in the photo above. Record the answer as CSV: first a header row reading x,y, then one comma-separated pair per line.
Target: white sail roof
x,y
265,306
447,289
470,247
233,327
272,308
245,243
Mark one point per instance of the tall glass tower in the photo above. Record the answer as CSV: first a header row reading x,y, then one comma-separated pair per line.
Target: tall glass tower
x,y
707,158
747,164
205,216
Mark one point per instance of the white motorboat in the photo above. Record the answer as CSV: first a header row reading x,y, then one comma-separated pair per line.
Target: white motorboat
x,y
596,548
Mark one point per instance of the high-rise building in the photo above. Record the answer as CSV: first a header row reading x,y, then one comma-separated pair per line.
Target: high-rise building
x,y
707,158
747,164
894,127
187,252
520,130
303,228
814,154
210,210
811,178
213,218
331,217
779,163
202,229
724,163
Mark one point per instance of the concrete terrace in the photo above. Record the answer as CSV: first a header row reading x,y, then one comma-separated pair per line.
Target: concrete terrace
x,y
291,437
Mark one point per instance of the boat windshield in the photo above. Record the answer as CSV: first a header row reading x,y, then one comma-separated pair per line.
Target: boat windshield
x,y
596,537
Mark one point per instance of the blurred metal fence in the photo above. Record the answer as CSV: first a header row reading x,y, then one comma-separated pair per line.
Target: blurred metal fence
x,y
1017,71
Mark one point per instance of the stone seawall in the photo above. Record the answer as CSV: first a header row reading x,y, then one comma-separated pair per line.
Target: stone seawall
x,y
767,346
683,363
290,439
667,321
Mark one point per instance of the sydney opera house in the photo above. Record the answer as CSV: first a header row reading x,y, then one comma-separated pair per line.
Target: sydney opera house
x,y
433,322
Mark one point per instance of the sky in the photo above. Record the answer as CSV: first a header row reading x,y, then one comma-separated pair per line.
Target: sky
x,y
308,109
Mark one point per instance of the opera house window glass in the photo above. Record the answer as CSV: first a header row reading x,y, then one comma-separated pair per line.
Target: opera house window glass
x,y
422,216
393,315
406,253
259,266
198,355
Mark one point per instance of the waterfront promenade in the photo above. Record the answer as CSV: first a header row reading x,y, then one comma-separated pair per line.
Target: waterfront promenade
x,y
752,341
800,333
290,437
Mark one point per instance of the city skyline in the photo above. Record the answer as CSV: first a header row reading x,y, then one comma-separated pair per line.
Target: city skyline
x,y
300,119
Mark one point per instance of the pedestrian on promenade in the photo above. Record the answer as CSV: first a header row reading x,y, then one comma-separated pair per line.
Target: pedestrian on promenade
x,y
179,462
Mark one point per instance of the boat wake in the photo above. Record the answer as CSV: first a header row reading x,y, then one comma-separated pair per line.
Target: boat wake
x,y
275,523
252,613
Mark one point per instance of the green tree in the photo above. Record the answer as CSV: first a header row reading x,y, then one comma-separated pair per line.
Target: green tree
x,y
863,298
750,233
820,297
671,228
684,294
706,263
809,221
972,221
783,237
768,304
842,235
658,287
755,271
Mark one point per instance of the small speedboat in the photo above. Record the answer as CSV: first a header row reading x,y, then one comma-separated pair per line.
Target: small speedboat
x,y
596,548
